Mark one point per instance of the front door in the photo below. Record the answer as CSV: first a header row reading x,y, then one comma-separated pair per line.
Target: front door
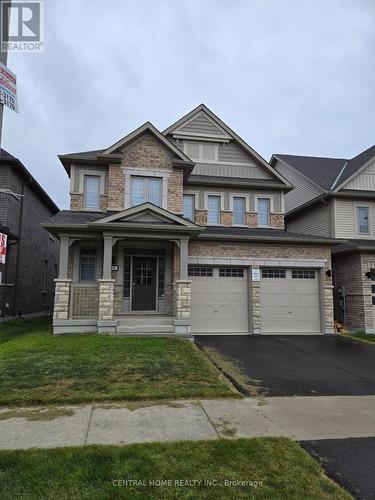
x,y
144,284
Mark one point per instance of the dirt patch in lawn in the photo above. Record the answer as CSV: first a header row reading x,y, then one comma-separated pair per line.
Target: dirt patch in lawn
x,y
37,413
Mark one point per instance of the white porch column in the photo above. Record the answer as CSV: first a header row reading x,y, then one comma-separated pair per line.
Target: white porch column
x,y
62,284
106,323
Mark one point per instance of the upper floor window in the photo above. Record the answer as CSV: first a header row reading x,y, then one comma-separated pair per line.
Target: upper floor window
x,y
145,189
201,151
213,209
189,203
363,220
264,211
239,209
91,186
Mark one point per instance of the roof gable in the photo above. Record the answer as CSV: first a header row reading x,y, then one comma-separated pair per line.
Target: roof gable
x,y
355,166
146,213
227,134
147,127
200,124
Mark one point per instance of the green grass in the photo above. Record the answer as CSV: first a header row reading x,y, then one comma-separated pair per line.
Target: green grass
x,y
37,367
364,337
283,468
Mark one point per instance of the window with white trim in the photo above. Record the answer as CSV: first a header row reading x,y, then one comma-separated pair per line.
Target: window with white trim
x,y
188,206
231,272
239,210
213,209
201,151
273,273
303,274
363,220
205,272
264,211
146,189
91,191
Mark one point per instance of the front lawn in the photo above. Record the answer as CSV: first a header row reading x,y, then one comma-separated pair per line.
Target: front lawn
x,y
363,336
271,467
37,367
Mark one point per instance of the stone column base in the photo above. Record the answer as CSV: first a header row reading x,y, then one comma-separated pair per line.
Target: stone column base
x,y
106,299
62,299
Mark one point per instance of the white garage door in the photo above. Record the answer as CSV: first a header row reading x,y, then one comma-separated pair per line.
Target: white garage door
x,y
290,301
219,300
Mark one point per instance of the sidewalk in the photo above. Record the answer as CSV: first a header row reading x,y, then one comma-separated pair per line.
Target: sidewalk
x,y
300,418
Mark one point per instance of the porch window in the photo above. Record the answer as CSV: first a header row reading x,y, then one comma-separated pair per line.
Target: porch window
x,y
87,266
363,220
264,211
189,202
91,186
214,206
239,209
145,189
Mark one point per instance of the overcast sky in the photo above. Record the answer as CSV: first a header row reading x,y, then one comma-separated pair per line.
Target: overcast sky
x,y
289,76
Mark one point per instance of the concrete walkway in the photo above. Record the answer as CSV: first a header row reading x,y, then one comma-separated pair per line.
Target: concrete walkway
x,y
300,418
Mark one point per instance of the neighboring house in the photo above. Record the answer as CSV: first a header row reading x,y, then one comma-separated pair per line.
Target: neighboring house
x,y
183,232
26,284
335,198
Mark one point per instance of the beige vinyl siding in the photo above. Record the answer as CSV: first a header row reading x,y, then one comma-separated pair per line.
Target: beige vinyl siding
x,y
365,180
346,218
225,170
303,190
201,125
231,152
314,221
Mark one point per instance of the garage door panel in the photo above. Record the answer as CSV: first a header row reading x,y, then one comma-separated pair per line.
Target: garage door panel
x,y
290,305
219,304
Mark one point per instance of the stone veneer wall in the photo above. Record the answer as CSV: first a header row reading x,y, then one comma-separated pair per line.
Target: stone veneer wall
x,y
62,299
106,293
183,299
76,202
251,219
349,271
263,251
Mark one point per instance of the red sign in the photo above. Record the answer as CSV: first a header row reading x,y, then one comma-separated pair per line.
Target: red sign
x,y
3,247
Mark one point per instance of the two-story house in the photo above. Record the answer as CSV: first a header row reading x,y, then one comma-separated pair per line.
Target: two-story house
x,y
182,232
335,198
32,255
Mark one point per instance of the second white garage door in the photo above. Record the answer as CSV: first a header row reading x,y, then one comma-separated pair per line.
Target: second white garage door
x,y
219,300
290,301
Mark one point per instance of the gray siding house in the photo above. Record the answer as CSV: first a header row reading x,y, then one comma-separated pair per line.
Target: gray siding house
x,y
26,284
182,232
335,198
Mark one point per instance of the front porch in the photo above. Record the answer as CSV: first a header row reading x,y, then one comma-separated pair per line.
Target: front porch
x,y
116,284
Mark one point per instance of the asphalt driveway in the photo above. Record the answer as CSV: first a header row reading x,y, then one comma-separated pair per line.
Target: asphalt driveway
x,y
349,462
300,365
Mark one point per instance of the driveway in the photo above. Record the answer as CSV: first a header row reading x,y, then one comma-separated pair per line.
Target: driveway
x,y
349,462
300,365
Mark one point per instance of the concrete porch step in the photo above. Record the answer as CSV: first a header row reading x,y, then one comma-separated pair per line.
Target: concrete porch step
x,y
144,320
145,329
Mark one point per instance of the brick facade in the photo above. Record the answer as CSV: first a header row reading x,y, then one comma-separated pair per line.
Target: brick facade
x,y
349,271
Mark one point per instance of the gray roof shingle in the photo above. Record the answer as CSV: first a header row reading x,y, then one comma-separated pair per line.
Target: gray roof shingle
x,y
326,171
323,171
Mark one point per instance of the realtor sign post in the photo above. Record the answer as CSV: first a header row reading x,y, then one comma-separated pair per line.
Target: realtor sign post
x,y
8,88
3,247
